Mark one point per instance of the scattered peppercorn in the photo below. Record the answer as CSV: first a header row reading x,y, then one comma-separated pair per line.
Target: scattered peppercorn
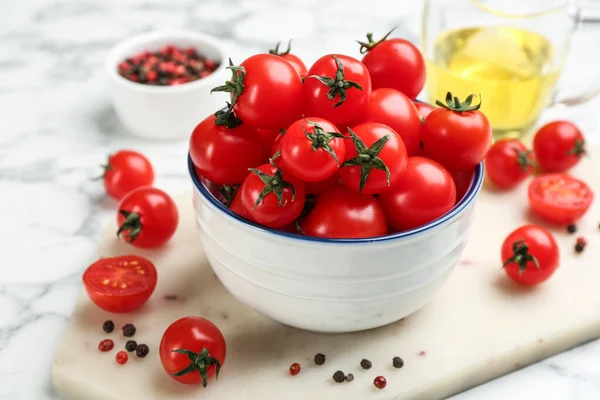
x,y
365,364
108,326
128,330
142,350
294,369
580,244
121,357
380,382
571,228
106,345
349,377
339,376
320,359
130,345
397,362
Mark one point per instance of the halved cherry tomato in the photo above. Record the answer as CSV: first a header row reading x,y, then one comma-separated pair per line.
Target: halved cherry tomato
x,y
120,284
293,59
559,198
558,146
508,163
126,170
423,108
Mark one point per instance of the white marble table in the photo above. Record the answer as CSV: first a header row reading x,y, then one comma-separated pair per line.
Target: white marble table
x,y
56,126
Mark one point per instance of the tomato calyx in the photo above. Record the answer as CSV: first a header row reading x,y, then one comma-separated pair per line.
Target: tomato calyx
x,y
337,86
320,138
578,149
367,158
454,104
524,160
200,362
273,184
235,86
132,226
370,45
228,192
276,52
521,256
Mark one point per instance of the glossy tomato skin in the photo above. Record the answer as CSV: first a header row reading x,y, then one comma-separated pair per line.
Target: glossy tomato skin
x,y
559,198
392,108
268,212
267,136
502,163
397,64
457,140
541,245
423,108
340,212
299,157
157,213
393,155
120,284
321,186
127,170
210,143
424,192
272,96
555,144
194,334
462,181
316,102
296,62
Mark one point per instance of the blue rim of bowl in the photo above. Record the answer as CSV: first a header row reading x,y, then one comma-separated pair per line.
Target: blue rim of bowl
x,y
467,199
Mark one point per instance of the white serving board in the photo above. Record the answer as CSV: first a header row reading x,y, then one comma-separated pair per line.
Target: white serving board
x,y
478,327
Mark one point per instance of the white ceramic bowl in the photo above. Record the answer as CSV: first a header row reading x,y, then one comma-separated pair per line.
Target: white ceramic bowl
x,y
166,112
331,285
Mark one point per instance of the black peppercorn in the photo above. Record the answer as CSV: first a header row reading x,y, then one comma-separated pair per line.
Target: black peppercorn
x,y
320,359
130,345
397,362
572,228
128,330
339,376
350,377
365,364
142,351
108,326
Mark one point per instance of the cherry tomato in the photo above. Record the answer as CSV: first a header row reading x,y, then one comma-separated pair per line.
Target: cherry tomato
x,y
558,146
457,135
392,108
559,198
276,146
340,212
272,197
147,217
268,137
508,163
291,58
312,149
394,63
120,284
318,187
126,170
192,350
210,143
462,181
423,108
424,192
381,162
530,255
337,88
236,205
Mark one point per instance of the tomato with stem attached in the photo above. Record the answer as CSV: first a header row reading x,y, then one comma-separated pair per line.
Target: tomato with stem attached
x,y
126,170
293,59
558,146
508,163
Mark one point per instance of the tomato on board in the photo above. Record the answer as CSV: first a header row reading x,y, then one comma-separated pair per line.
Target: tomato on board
x,y
120,284
423,193
337,88
376,159
312,149
392,108
210,143
394,63
462,181
508,163
147,217
272,197
559,198
558,146
126,170
530,255
340,212
192,350
423,108
456,134
293,59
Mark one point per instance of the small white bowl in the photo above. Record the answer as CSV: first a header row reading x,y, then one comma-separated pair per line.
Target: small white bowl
x,y
166,112
331,285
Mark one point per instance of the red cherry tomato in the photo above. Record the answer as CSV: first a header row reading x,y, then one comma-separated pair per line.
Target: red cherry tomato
x,y
457,137
236,205
462,181
373,158
395,63
293,59
126,170
210,143
558,146
523,249
318,187
312,149
147,217
559,198
260,199
423,108
392,108
342,92
343,213
424,192
197,339
120,284
508,163
268,137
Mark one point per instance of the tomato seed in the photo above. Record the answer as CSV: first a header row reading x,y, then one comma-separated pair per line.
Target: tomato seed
x,y
294,369
121,357
380,382
106,345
